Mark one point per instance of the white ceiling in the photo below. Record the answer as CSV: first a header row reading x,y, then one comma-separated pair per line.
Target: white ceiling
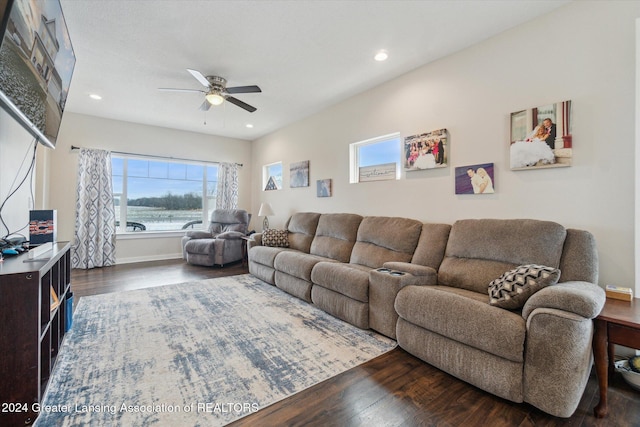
x,y
305,55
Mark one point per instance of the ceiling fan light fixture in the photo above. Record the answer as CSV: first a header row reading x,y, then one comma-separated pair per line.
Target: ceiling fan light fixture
x,y
215,98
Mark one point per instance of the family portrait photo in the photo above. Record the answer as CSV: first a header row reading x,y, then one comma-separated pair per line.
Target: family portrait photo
x,y
426,150
541,137
475,179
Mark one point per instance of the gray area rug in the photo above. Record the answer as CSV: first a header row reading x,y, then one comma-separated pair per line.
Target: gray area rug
x,y
202,353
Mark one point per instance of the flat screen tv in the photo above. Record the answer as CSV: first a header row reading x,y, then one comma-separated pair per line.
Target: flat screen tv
x,y
36,65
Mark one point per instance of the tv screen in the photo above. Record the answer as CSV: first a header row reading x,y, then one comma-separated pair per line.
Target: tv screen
x,y
36,65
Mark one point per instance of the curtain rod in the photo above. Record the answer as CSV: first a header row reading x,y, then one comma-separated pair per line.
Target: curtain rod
x,y
73,147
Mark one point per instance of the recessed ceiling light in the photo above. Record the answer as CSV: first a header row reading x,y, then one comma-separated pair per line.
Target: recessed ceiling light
x,y
95,96
249,126
381,56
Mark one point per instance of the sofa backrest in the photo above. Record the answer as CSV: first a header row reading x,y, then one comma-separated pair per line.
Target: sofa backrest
x,y
579,257
481,250
223,220
302,229
381,239
336,235
432,244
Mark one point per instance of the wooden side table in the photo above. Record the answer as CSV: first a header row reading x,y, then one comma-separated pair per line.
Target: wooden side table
x,y
618,323
245,250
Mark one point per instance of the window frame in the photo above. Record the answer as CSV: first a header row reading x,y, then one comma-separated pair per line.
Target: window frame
x,y
265,176
121,229
354,155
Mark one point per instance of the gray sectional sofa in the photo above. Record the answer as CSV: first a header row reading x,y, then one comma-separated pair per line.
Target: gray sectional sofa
x,y
426,285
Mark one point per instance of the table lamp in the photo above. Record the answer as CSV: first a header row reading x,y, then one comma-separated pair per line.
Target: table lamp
x,y
265,210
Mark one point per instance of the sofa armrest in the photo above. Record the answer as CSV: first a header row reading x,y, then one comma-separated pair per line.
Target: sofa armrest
x,y
199,234
230,235
254,240
422,275
582,298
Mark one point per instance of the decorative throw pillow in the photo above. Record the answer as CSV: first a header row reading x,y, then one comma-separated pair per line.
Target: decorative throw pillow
x,y
275,238
514,287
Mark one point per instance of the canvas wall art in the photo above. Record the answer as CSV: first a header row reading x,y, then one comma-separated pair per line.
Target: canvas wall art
x,y
541,137
299,174
271,184
383,172
323,188
426,150
475,179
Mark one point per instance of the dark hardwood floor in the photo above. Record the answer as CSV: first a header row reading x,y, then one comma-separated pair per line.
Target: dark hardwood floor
x,y
125,277
395,389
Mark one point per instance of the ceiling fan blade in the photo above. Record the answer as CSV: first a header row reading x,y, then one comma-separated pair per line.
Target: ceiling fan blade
x,y
198,75
243,89
237,102
170,89
205,106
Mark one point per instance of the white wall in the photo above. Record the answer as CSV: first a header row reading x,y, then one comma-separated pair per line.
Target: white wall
x,y
16,151
93,132
583,52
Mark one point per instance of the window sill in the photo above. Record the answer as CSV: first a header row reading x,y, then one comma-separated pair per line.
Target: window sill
x,y
149,234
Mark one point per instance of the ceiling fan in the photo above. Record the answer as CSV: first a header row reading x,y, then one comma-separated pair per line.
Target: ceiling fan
x,y
217,91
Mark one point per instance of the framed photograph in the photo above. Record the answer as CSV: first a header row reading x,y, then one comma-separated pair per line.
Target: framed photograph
x,y
323,187
541,137
426,150
299,174
475,179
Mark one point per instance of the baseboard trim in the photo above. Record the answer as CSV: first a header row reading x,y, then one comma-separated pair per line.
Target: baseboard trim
x,y
160,257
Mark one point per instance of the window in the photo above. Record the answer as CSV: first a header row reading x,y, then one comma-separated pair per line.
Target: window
x,y
272,176
162,195
375,159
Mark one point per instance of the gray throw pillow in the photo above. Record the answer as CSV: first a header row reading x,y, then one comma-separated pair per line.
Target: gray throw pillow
x,y
275,238
513,288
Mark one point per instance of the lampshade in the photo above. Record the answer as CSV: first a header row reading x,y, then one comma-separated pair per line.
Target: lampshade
x,y
265,210
214,98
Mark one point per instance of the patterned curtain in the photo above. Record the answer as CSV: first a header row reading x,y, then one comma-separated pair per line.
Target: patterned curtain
x,y
227,192
95,214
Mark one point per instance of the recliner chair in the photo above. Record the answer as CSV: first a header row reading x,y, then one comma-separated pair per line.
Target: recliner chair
x,y
222,243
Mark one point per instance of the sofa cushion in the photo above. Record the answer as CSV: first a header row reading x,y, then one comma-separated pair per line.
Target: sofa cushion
x,y
297,264
351,280
464,316
513,288
431,245
340,306
228,220
335,235
265,255
382,239
479,250
275,238
302,229
579,257
200,246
